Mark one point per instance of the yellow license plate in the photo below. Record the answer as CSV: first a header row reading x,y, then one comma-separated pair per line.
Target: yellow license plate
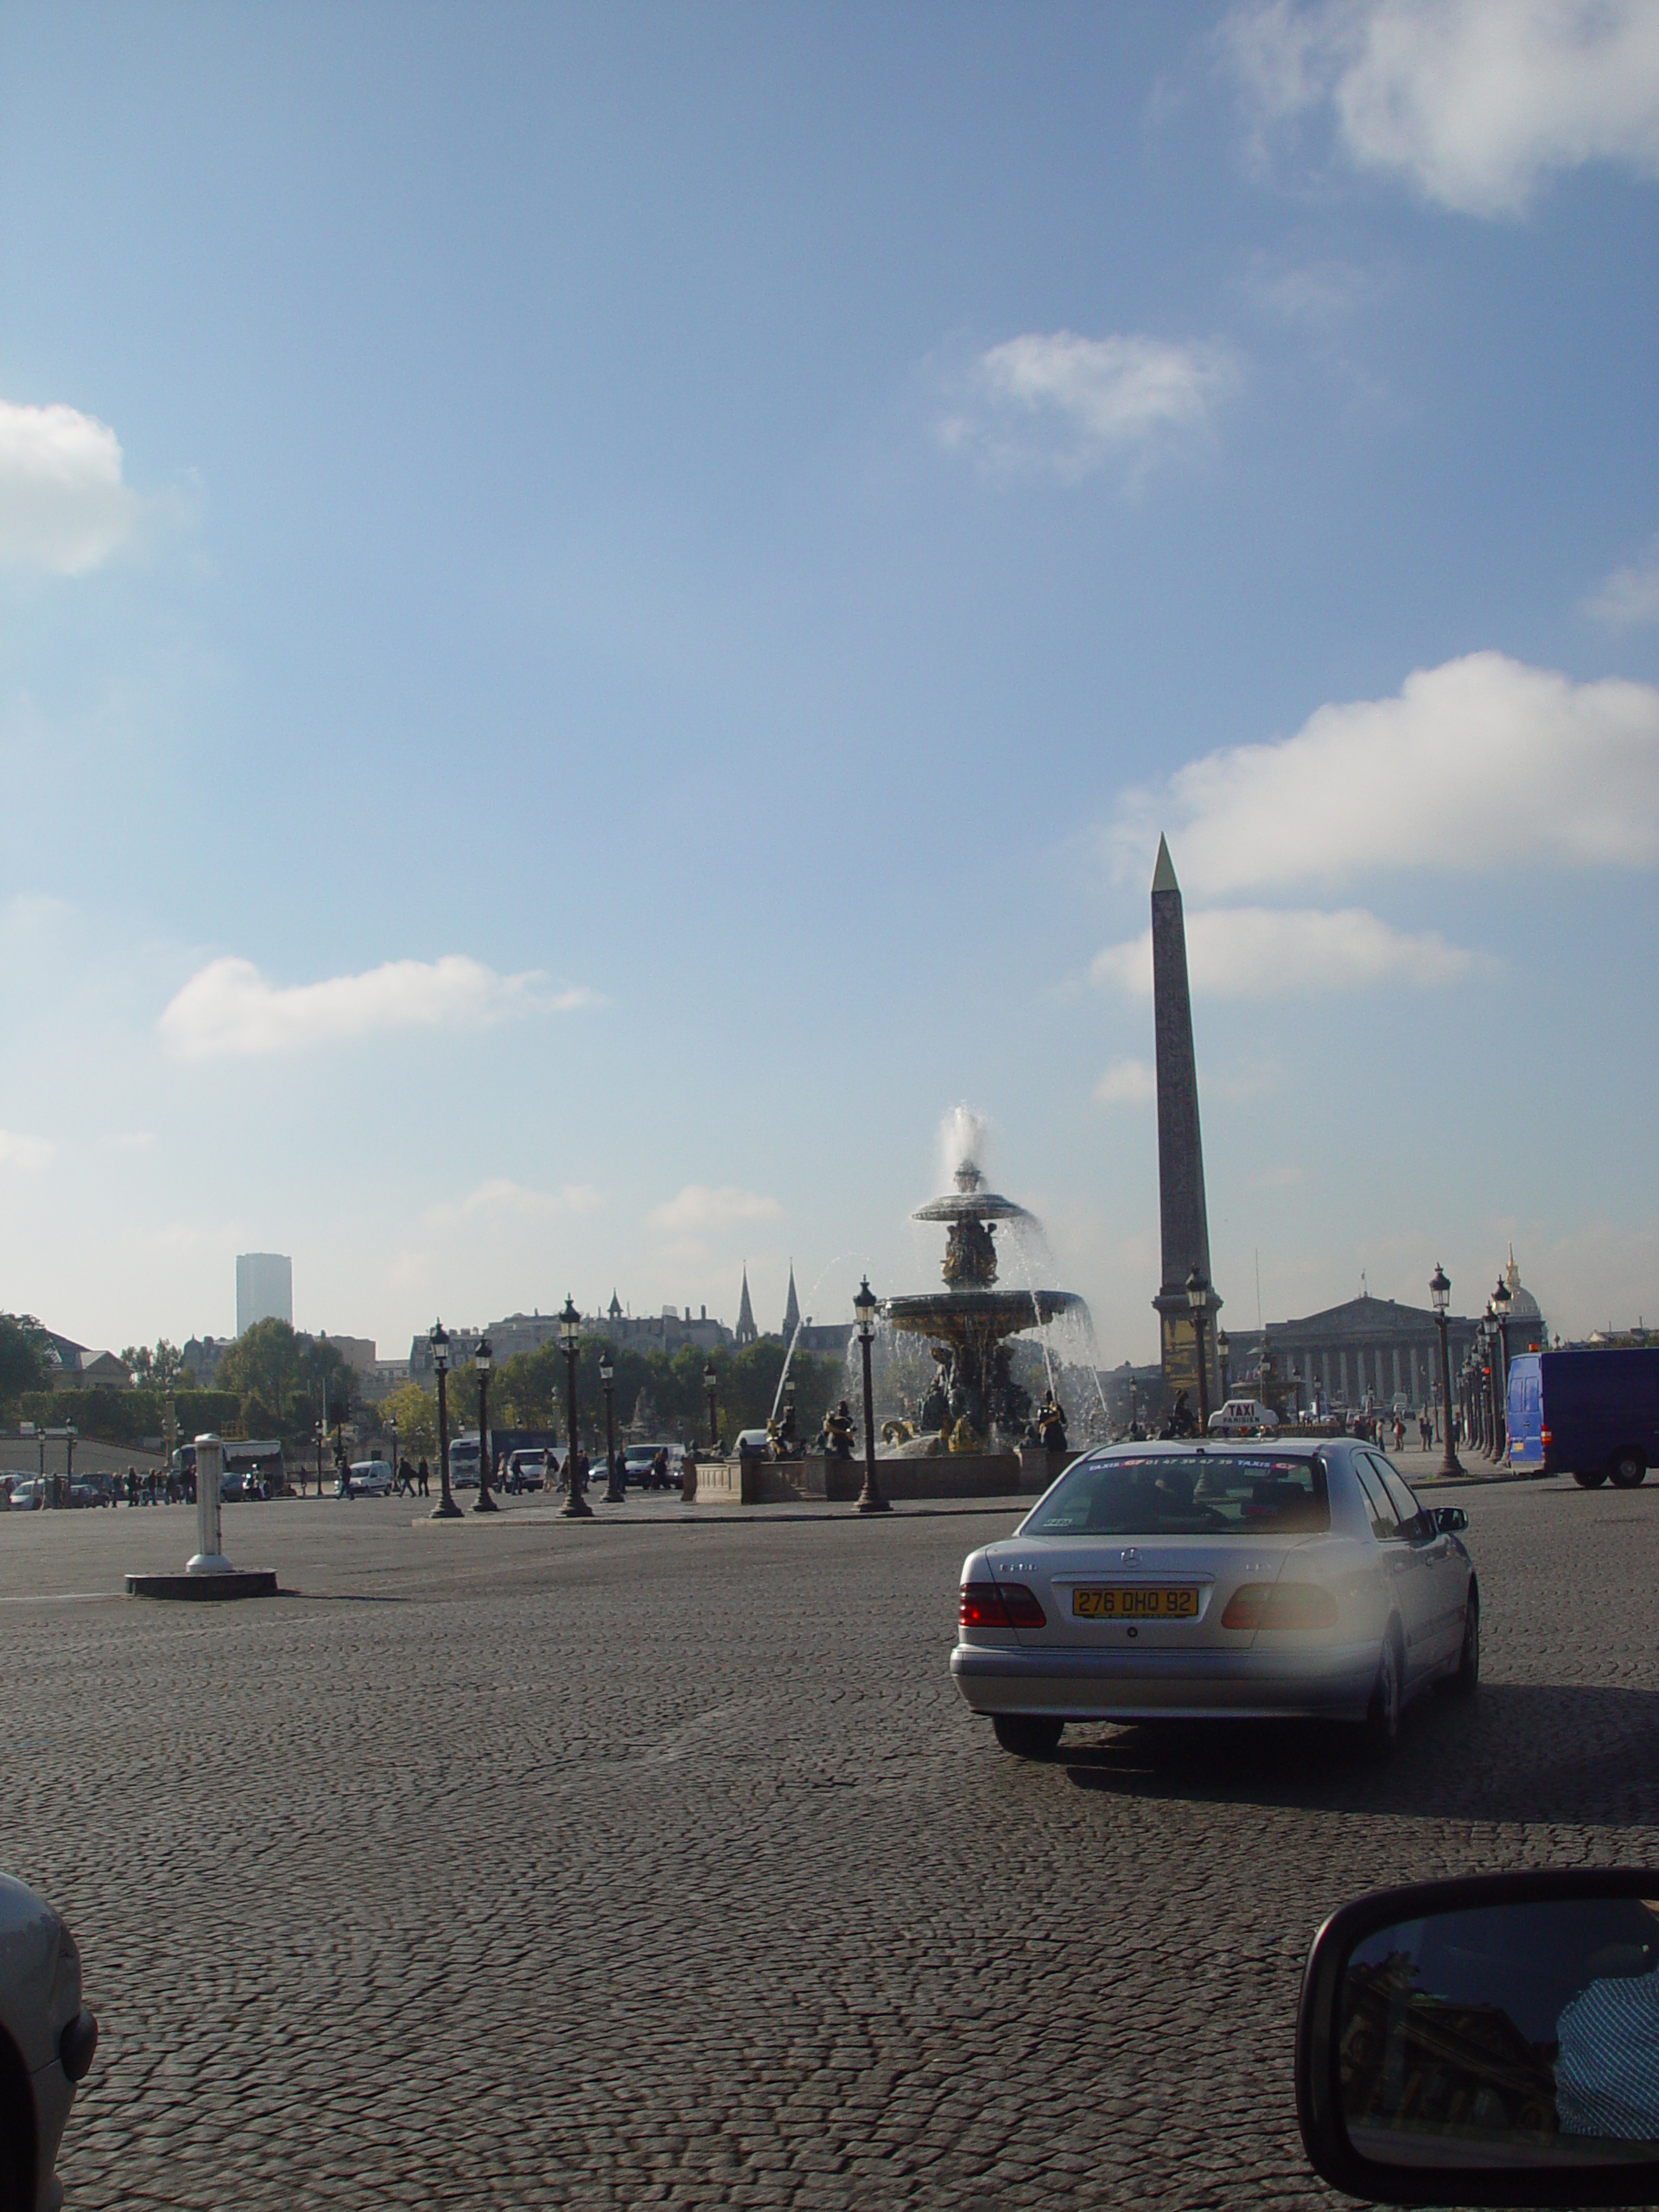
x,y
1136,1603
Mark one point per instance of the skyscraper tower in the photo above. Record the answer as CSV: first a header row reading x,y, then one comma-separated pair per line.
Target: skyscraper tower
x,y
1182,1218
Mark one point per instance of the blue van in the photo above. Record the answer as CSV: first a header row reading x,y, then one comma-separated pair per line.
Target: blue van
x,y
1592,1415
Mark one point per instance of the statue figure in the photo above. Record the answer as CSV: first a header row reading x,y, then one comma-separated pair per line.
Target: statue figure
x,y
963,1438
935,1407
786,1444
970,1256
1051,1423
835,1438
1182,1420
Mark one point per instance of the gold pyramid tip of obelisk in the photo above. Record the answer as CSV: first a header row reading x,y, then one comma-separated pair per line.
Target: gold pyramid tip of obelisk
x,y
1163,876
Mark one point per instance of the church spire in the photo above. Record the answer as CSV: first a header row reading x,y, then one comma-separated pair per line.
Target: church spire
x,y
791,1309
746,1332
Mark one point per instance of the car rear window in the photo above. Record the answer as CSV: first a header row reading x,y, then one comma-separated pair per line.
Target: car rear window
x,y
1186,1494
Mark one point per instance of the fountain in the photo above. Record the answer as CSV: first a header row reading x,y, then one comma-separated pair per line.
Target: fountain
x,y
974,1403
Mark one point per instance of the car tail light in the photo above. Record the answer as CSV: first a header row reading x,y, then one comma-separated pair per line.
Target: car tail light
x,y
1545,1437
992,1605
1284,1604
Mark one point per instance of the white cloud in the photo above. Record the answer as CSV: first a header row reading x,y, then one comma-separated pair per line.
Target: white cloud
x,y
1482,763
28,1154
63,506
698,1210
1474,103
1259,952
228,1008
1054,404
1126,1082
1629,598
500,1198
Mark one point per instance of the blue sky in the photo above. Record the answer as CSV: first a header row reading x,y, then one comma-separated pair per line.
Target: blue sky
x,y
601,609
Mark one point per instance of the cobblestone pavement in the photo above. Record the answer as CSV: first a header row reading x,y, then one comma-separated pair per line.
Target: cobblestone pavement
x,y
654,1861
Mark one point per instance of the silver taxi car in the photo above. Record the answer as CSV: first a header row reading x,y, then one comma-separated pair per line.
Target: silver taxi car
x,y
47,2042
1217,1580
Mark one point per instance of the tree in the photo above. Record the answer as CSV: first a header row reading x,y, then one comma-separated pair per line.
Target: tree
x,y
23,1361
415,1412
286,1383
159,1370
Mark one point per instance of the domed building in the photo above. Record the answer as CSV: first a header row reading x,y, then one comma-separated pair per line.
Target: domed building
x,y
1527,1330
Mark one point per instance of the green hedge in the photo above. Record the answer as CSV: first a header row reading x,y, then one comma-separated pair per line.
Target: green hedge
x,y
125,1416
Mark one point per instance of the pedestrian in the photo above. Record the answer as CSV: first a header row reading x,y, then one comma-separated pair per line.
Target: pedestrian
x,y
688,1475
1425,1430
133,1486
424,1480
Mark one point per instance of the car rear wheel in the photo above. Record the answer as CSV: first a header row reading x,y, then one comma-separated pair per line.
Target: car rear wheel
x,y
1029,1736
1466,1680
1629,1469
1381,1728
1590,1477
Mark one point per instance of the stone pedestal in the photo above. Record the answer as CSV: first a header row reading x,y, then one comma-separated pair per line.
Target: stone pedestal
x,y
209,1575
233,1582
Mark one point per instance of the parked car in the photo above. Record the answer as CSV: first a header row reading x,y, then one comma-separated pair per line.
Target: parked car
x,y
46,2041
1244,1417
369,1479
639,1460
28,1496
526,1470
1217,1581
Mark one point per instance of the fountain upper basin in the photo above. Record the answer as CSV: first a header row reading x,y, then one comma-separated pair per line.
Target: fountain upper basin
x,y
956,1316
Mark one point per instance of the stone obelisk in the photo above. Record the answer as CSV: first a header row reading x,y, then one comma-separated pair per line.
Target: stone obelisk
x,y
1180,1151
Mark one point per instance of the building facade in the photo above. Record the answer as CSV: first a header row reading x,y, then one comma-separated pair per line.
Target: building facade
x,y
264,1289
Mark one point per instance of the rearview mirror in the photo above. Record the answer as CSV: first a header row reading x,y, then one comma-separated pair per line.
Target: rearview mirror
x,y
1451,1520
1486,2042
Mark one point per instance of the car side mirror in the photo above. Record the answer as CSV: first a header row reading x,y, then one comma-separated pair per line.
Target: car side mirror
x,y
1451,1520
1491,2041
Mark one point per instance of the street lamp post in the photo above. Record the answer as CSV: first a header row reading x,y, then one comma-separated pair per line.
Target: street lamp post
x,y
1487,1374
711,1384
575,1507
870,1499
484,1360
1223,1355
616,1493
396,1462
446,1508
1197,1300
1501,1303
1439,1294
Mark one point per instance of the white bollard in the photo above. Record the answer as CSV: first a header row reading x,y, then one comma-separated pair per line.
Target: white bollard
x,y
210,1468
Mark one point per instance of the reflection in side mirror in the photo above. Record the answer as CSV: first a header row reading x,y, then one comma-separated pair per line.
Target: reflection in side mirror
x,y
1451,1520
1487,2042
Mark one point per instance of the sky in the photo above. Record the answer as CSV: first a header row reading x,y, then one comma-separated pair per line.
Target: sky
x,y
601,608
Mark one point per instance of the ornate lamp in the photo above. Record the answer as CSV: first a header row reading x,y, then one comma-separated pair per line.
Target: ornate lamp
x,y
446,1508
1439,1296
575,1507
865,1305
